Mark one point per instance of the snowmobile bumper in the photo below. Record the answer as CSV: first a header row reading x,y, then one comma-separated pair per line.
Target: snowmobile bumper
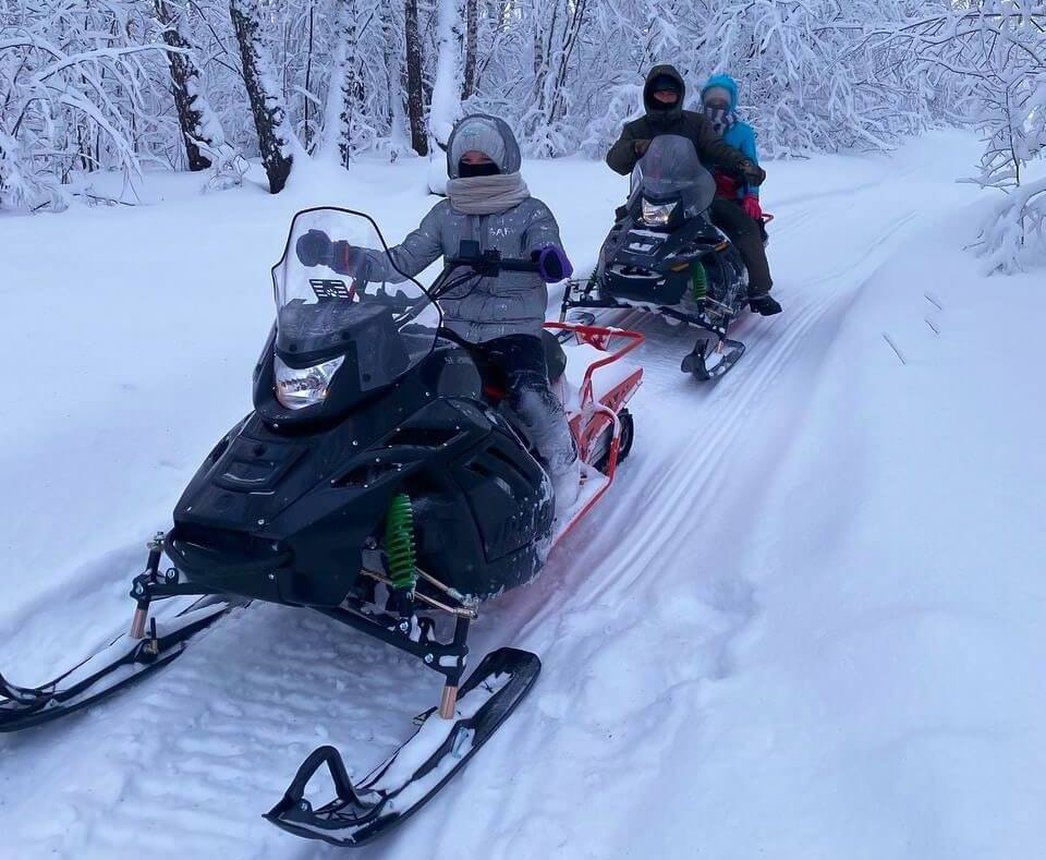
x,y
713,354
418,769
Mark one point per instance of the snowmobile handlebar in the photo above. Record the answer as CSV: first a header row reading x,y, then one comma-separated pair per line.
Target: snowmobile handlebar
x,y
488,263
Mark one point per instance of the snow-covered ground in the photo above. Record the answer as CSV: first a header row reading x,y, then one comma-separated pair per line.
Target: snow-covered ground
x,y
806,624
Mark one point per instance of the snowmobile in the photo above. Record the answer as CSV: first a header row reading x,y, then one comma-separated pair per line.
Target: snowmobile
x,y
665,255
384,483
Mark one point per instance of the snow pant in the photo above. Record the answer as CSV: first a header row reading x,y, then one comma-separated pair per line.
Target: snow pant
x,y
746,236
517,361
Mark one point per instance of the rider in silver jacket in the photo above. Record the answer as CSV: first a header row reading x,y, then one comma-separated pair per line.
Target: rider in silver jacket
x,y
487,202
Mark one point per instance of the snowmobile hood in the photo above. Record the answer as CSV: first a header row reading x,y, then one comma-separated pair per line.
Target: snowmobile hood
x,y
486,134
674,112
725,82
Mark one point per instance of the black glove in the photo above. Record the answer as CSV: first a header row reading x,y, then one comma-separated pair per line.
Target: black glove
x,y
752,172
314,248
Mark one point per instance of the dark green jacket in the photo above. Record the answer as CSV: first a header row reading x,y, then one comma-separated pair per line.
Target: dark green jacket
x,y
710,147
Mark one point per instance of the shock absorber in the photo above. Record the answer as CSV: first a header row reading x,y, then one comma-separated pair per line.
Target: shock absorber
x,y
698,281
399,549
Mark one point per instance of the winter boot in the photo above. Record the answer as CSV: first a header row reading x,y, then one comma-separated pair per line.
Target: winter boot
x,y
764,304
566,482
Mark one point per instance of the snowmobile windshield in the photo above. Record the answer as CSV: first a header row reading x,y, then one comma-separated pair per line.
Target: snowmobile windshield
x,y
338,293
670,169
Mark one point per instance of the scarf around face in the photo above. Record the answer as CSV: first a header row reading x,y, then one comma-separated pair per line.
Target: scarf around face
x,y
487,195
722,119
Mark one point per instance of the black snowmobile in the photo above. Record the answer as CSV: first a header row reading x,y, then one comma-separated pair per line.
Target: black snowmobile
x,y
664,254
379,482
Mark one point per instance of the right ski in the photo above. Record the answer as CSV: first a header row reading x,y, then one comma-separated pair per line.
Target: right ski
x,y
418,769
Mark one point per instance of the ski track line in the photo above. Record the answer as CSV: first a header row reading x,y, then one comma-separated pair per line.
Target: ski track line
x,y
622,578
221,738
688,632
602,605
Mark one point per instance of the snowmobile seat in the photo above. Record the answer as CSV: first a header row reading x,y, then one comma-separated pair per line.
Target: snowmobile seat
x,y
555,355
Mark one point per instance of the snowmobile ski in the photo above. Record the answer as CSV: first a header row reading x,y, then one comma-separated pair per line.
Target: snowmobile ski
x,y
712,357
412,775
125,660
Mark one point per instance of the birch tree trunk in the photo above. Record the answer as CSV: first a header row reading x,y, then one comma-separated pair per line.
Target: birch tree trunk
x,y
415,85
263,92
343,97
197,120
446,103
468,82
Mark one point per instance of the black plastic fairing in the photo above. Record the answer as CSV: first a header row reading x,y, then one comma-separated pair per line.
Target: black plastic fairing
x,y
281,511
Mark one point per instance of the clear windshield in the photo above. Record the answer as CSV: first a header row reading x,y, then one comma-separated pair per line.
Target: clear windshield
x,y
333,297
670,168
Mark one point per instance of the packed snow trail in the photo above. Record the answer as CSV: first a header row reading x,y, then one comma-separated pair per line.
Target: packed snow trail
x,y
660,727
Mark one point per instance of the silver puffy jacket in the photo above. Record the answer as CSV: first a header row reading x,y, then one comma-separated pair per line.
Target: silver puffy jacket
x,y
483,308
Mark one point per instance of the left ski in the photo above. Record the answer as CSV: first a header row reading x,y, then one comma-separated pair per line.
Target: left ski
x,y
417,770
712,357
122,662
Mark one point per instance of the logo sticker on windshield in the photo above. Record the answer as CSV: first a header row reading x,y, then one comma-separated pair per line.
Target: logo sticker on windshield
x,y
329,288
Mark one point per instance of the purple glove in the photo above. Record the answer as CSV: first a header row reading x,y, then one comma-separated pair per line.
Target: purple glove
x,y
553,263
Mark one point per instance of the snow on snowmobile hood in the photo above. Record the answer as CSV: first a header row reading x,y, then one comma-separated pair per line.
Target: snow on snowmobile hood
x,y
676,110
486,134
724,82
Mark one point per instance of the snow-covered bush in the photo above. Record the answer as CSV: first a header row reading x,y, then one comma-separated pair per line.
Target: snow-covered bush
x,y
993,55
75,94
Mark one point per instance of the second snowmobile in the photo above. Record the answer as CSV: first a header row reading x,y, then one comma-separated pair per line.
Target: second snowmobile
x,y
380,481
664,254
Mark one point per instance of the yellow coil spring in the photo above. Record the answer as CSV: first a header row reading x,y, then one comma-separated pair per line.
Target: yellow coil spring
x,y
399,542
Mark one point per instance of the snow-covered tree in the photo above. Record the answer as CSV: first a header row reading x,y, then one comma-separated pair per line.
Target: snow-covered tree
x,y
994,53
74,87
344,124
445,107
415,86
266,98
88,85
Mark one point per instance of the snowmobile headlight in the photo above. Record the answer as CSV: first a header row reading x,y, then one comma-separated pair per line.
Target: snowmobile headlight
x,y
657,214
297,388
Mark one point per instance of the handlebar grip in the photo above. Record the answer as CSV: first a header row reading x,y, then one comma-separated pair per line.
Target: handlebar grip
x,y
480,264
520,266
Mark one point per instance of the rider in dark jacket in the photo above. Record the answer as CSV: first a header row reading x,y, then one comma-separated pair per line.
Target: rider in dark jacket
x,y
663,96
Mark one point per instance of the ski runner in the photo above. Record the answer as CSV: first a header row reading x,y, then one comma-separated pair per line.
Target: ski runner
x,y
488,202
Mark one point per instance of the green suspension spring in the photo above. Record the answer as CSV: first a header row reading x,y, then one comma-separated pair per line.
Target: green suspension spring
x,y
399,542
698,281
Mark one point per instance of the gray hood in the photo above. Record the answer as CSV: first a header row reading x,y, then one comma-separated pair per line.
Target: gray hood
x,y
486,134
